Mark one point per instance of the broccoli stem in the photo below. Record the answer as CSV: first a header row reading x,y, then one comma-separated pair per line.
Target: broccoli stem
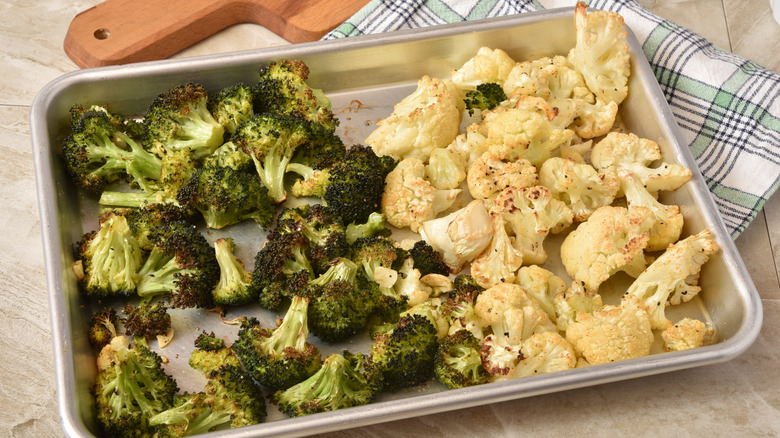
x,y
234,279
206,422
342,270
137,162
299,263
113,157
233,270
197,125
271,170
218,219
303,170
132,199
155,281
197,420
130,382
144,163
293,330
374,225
115,260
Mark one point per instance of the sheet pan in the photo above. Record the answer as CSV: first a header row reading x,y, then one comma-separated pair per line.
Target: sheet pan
x,y
364,76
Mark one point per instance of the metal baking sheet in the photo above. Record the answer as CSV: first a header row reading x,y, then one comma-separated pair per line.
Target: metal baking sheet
x,y
364,76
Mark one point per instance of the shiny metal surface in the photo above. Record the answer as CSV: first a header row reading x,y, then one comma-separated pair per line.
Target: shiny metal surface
x,y
365,77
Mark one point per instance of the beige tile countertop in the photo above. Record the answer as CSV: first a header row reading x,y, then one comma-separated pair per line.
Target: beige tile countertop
x,y
737,398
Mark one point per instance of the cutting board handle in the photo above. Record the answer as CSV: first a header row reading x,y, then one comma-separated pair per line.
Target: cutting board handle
x,y
123,31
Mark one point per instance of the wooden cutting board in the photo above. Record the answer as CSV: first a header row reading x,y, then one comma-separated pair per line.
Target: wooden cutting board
x,y
123,31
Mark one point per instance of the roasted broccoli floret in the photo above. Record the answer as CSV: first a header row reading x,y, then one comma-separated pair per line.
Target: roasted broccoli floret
x,y
405,355
97,153
373,226
313,160
77,112
324,233
181,265
487,96
208,342
226,196
176,171
234,286
230,399
130,388
271,140
427,260
109,259
340,304
458,362
149,216
458,308
232,106
339,383
379,257
281,268
179,119
147,319
281,357
377,251
282,89
102,327
230,155
192,413
356,184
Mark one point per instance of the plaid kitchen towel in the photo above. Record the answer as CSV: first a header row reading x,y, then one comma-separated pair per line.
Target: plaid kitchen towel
x,y
728,108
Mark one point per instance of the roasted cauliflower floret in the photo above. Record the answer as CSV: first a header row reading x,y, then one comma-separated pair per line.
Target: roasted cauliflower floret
x,y
489,175
471,144
531,214
673,277
439,284
499,356
629,152
613,239
601,53
488,65
545,353
510,316
533,104
613,333
686,334
542,285
446,169
511,313
579,185
498,263
409,284
541,353
522,132
577,151
669,220
574,300
592,119
409,199
461,235
428,118
546,77
555,80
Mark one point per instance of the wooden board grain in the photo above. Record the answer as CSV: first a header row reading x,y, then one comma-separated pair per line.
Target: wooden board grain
x,y
124,31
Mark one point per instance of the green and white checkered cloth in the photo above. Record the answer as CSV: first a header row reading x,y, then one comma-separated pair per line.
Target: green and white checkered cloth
x,y
728,108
